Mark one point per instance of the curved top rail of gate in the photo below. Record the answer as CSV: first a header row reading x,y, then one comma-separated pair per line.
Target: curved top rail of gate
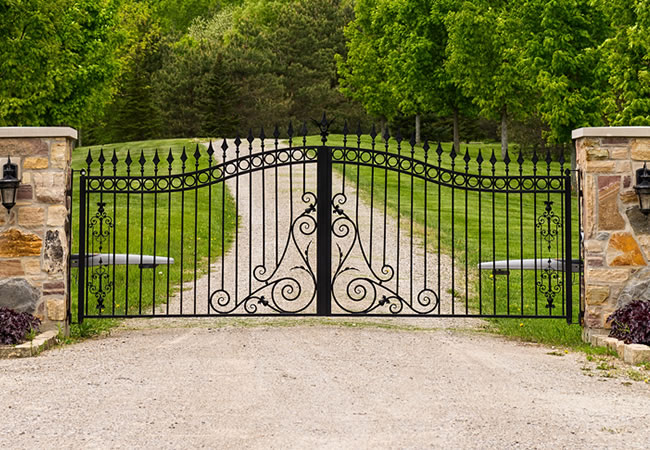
x,y
403,161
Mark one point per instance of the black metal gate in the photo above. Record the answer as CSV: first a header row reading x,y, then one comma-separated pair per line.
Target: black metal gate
x,y
324,225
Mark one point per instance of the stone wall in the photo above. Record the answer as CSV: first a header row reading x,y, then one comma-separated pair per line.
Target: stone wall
x,y
35,234
616,233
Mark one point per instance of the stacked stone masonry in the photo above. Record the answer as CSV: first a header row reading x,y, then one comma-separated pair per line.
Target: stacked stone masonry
x,y
616,233
35,234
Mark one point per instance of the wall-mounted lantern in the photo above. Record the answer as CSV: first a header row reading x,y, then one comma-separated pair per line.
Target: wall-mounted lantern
x,y
642,189
9,184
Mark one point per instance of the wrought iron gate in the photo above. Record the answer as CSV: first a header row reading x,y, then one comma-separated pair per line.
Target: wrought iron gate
x,y
352,224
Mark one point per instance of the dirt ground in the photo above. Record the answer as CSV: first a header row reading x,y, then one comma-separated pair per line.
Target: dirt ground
x,y
279,384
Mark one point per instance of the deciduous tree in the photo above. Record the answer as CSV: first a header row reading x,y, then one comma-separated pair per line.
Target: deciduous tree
x,y
486,60
561,43
627,54
58,60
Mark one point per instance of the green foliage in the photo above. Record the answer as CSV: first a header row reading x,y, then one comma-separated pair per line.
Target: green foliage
x,y
133,70
195,95
486,60
627,54
396,60
255,65
131,114
57,60
362,74
414,41
561,40
282,55
176,17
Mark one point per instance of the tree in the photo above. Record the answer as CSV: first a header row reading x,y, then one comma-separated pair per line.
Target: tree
x,y
396,60
628,59
131,113
561,42
415,39
281,54
192,79
58,60
362,71
260,64
486,60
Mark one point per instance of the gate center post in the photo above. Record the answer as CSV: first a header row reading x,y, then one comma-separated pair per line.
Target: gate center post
x,y
324,227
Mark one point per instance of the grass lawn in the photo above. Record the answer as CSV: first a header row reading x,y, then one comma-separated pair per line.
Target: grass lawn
x,y
477,228
179,225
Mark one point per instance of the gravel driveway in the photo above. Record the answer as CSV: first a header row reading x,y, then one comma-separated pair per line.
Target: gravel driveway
x,y
304,382
314,384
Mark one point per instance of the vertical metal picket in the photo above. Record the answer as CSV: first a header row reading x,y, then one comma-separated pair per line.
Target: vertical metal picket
x,y
324,227
568,257
82,248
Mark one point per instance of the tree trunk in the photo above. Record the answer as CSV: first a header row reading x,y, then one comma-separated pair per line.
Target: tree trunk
x,y
417,128
382,124
504,133
456,131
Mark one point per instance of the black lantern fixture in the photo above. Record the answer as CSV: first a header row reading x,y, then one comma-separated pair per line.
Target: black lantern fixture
x,y
9,184
642,189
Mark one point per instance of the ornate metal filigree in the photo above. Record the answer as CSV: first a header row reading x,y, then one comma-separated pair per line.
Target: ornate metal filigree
x,y
99,228
245,164
359,282
366,290
289,288
100,284
241,165
549,225
445,177
100,225
550,283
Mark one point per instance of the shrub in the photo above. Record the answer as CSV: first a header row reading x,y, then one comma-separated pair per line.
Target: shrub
x,y
632,323
14,326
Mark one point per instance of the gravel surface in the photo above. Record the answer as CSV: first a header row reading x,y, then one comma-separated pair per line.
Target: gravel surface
x,y
272,386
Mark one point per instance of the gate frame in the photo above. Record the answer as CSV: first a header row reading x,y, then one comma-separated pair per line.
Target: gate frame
x,y
324,286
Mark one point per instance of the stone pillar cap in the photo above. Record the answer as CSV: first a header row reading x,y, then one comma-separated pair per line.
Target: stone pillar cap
x,y
38,132
628,132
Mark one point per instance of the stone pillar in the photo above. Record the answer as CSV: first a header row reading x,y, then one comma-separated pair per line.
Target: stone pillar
x,y
35,234
616,233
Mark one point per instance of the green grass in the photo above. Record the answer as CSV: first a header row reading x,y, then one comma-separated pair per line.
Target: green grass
x,y
514,294
150,224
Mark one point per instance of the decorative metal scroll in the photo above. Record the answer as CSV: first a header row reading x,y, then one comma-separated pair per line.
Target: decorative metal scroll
x,y
367,290
219,173
550,283
305,154
289,288
445,177
99,228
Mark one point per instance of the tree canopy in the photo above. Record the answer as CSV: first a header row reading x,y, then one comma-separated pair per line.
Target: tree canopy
x,y
125,70
627,53
58,60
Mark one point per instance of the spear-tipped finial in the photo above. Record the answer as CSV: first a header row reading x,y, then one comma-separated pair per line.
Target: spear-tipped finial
x,y
324,126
